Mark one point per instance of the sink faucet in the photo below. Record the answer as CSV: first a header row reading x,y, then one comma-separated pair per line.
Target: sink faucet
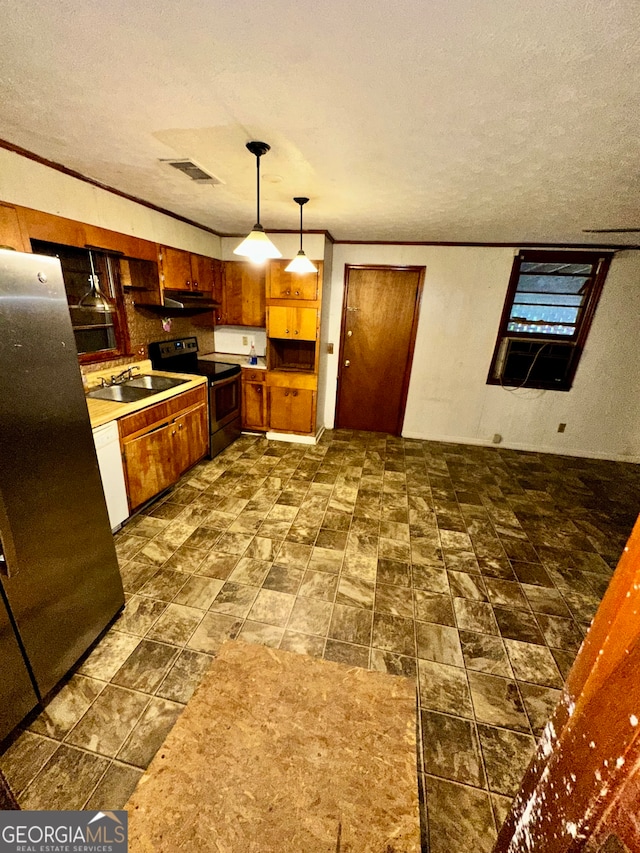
x,y
123,376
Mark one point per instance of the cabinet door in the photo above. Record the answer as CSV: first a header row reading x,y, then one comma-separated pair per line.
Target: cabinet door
x,y
191,438
149,464
11,236
290,285
305,321
280,322
291,409
202,273
253,406
176,269
244,294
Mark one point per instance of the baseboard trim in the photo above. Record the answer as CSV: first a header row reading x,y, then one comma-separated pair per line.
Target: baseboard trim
x,y
293,438
530,448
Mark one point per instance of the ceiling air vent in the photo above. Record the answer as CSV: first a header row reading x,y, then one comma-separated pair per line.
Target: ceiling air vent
x,y
193,171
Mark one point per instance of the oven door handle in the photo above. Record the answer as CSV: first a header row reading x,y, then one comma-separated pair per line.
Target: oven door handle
x,y
226,380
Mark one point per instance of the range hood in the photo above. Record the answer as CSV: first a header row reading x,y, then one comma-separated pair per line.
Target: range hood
x,y
181,303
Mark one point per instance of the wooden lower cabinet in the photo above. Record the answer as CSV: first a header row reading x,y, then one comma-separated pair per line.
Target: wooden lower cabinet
x,y
291,402
192,437
161,442
254,406
291,410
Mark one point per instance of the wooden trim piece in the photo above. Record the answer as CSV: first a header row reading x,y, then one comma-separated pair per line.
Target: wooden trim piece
x,y
65,170
613,247
587,759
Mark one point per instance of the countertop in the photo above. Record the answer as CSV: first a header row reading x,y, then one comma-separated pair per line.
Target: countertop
x,y
103,411
228,358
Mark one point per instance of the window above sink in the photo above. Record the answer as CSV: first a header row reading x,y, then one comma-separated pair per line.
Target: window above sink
x,y
99,336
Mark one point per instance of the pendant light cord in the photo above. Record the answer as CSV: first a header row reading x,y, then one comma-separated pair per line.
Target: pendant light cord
x,y
301,227
258,187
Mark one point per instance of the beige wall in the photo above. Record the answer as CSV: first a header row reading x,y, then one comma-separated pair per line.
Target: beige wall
x,y
29,184
449,399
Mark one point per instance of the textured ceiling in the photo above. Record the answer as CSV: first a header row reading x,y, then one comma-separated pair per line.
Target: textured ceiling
x,y
462,120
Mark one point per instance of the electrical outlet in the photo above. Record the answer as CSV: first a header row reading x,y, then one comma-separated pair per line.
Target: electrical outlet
x,y
497,438
562,427
245,341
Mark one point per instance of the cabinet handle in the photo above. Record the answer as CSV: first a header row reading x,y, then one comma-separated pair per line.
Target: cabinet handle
x,y
259,389
288,293
173,432
195,285
188,284
295,393
297,293
180,426
296,332
286,393
286,331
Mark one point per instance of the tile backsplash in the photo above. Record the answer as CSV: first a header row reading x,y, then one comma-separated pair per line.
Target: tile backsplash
x,y
237,340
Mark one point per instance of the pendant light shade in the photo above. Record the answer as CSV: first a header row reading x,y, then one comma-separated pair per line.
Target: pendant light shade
x,y
256,246
301,262
94,299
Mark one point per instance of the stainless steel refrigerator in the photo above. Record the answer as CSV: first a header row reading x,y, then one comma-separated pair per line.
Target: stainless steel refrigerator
x,y
60,584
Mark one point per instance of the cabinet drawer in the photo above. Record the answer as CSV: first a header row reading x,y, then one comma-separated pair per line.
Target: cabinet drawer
x,y
151,415
291,379
249,375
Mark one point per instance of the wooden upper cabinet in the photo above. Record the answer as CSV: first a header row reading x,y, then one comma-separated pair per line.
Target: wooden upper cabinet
x,y
202,271
290,285
175,268
12,236
244,294
182,270
296,324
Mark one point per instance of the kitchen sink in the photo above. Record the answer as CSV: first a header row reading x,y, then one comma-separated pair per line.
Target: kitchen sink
x,y
153,383
121,393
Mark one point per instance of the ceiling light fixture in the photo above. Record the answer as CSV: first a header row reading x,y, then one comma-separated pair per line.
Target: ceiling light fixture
x,y
301,262
257,247
94,299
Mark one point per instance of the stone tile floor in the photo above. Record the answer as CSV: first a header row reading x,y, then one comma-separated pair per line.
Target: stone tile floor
x,y
474,570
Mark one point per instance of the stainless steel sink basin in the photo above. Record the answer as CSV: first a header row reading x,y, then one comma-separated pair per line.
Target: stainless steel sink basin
x,y
121,393
154,383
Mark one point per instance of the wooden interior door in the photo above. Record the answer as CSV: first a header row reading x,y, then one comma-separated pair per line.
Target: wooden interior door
x,y
379,323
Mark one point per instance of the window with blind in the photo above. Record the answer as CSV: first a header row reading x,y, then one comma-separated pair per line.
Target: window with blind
x,y
550,304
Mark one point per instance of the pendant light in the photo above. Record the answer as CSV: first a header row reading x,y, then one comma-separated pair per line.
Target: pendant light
x,y
301,262
257,247
94,299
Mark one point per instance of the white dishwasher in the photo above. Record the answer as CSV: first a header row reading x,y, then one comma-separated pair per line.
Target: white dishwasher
x,y
107,443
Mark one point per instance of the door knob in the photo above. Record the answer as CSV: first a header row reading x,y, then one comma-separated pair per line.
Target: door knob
x,y
349,333
347,363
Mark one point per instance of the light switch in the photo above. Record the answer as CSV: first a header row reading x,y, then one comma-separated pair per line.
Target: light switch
x,y
330,349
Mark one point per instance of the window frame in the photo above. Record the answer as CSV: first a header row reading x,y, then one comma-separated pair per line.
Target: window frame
x,y
601,261
110,287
